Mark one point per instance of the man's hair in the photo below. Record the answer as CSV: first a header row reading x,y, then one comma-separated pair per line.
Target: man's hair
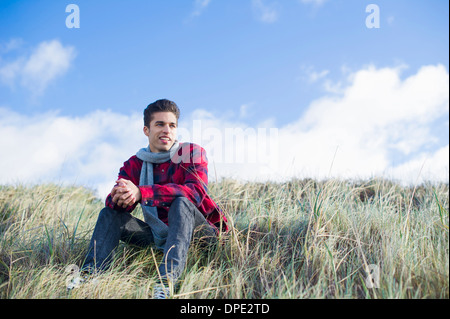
x,y
160,106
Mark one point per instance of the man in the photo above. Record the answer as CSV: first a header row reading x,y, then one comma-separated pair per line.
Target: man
x,y
169,180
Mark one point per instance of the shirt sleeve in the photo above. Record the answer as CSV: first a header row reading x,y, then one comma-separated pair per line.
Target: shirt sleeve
x,y
193,188
129,171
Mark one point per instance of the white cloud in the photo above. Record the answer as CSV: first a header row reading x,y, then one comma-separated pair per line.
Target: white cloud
x,y
376,115
311,75
11,71
49,147
48,61
315,76
376,118
234,149
426,166
267,13
246,110
199,7
11,45
354,134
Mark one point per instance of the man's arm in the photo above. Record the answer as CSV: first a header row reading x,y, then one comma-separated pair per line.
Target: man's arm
x,y
194,187
122,197
125,193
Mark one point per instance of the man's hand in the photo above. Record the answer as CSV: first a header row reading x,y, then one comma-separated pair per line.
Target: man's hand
x,y
125,193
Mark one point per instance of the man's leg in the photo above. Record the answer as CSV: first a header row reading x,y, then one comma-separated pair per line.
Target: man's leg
x,y
184,218
111,227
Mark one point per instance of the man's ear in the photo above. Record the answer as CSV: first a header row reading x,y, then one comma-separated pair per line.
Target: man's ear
x,y
146,131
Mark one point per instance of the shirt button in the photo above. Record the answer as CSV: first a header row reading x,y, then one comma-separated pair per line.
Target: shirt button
x,y
163,170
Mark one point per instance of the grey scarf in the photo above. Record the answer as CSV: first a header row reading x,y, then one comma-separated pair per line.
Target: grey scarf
x,y
158,227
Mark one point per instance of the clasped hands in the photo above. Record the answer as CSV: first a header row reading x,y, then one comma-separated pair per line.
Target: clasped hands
x,y
125,193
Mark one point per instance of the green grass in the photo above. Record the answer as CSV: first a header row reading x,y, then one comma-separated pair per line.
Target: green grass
x,y
300,239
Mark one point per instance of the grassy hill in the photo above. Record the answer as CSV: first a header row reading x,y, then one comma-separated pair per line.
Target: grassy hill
x,y
301,239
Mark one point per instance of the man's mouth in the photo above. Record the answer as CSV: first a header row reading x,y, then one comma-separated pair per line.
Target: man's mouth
x,y
164,138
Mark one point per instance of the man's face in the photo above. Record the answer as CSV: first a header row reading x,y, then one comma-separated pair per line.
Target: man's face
x,y
162,132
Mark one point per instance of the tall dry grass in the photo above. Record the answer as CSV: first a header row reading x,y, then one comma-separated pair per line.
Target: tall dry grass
x,y
300,239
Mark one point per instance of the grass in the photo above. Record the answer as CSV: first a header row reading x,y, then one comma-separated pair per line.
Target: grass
x,y
299,239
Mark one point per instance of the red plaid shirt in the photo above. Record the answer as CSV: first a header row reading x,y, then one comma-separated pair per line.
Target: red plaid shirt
x,y
188,178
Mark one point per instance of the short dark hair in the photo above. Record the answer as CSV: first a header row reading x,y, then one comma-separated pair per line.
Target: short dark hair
x,y
162,105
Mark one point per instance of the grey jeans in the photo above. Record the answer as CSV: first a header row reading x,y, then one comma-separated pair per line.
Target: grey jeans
x,y
185,220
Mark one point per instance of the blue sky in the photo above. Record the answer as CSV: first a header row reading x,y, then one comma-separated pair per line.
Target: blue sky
x,y
233,63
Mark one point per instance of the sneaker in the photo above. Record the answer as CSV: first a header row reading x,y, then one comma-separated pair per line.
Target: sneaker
x,y
160,291
74,282
77,278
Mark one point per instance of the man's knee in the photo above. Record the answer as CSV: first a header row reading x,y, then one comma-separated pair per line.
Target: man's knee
x,y
108,213
182,208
